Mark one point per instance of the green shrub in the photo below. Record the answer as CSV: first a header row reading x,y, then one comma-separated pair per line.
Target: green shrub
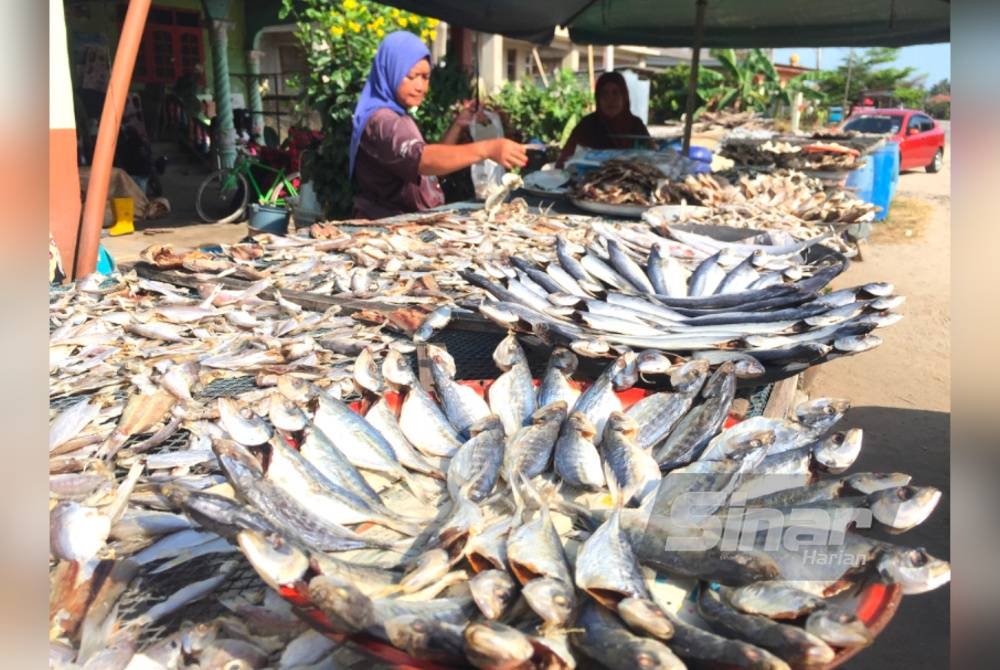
x,y
545,113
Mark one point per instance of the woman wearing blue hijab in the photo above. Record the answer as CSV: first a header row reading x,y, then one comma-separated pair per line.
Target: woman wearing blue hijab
x,y
393,168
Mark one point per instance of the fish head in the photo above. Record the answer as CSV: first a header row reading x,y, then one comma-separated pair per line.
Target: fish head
x,y
488,422
749,368
508,353
590,348
551,599
647,614
565,360
397,370
838,452
625,371
197,637
914,570
880,289
839,627
493,644
904,507
341,599
77,532
689,376
442,359
554,411
368,373
236,460
277,561
579,422
494,591
821,411
653,362
622,424
870,482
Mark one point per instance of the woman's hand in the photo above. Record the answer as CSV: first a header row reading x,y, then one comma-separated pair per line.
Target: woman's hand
x,y
467,114
508,153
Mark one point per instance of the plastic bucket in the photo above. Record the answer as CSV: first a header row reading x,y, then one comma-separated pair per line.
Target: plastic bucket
x,y
862,181
886,161
267,219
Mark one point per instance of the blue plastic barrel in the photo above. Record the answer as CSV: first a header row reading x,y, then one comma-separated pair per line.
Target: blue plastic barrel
x,y
862,181
886,162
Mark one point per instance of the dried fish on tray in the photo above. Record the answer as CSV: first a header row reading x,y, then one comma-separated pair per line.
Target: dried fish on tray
x,y
473,559
692,295
792,153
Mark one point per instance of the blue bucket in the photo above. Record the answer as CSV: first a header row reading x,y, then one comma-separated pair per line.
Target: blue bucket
x,y
266,219
886,161
862,181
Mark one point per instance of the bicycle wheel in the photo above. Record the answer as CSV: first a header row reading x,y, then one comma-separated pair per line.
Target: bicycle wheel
x,y
284,190
222,197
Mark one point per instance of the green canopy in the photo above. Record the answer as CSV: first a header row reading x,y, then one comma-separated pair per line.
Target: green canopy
x,y
728,23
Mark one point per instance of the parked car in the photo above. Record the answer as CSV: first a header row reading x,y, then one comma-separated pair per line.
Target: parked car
x,y
920,138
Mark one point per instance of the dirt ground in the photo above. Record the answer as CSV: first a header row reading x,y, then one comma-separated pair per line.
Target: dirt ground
x,y
901,397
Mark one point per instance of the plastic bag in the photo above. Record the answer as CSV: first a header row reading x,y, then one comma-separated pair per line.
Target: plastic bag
x,y
486,174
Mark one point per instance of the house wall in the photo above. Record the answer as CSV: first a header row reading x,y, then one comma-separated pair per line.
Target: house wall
x,y
88,22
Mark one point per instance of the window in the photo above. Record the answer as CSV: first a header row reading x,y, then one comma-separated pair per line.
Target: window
x,y
926,124
511,64
915,122
171,45
881,125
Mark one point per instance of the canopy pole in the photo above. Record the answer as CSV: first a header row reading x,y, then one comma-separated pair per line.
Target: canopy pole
x,y
590,65
107,137
699,36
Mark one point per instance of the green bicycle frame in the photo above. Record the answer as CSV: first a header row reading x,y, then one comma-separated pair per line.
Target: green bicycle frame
x,y
243,166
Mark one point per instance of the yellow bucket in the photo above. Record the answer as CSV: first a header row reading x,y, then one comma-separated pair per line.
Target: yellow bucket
x,y
123,210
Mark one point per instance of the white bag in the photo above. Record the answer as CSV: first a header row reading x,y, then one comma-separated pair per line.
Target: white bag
x,y
486,173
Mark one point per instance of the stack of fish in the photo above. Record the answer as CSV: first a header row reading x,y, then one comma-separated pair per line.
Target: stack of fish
x,y
742,301
623,182
438,527
794,155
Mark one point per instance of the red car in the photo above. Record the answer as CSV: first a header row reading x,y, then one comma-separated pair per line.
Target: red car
x,y
921,139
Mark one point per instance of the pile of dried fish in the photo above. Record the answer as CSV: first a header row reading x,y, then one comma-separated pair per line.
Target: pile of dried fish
x,y
406,263
750,300
472,556
620,181
821,156
804,197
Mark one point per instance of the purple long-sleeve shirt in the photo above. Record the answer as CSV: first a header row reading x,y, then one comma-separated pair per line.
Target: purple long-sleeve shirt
x,y
386,171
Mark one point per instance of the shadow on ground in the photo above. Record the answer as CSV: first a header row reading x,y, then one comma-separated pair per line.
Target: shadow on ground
x,y
916,442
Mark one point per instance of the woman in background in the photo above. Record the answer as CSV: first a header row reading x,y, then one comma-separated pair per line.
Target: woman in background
x,y
612,126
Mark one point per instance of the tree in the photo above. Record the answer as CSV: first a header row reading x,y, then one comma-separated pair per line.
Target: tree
x,y
750,82
943,87
871,71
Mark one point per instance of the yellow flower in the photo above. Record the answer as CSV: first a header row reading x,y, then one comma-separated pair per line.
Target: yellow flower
x,y
394,13
432,23
403,22
355,27
350,4
336,31
380,33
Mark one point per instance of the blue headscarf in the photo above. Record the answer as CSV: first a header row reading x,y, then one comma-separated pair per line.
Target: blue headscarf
x,y
396,55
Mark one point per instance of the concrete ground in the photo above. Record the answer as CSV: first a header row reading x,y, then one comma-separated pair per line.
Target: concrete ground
x,y
181,227
900,391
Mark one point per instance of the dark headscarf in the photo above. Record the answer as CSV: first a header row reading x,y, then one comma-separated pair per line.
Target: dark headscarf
x,y
396,55
597,131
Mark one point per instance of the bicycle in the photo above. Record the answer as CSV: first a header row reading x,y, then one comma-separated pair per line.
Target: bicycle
x,y
223,196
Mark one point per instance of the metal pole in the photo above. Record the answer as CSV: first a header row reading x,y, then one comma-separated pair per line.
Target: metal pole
x,y
847,83
253,88
107,137
699,36
590,66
